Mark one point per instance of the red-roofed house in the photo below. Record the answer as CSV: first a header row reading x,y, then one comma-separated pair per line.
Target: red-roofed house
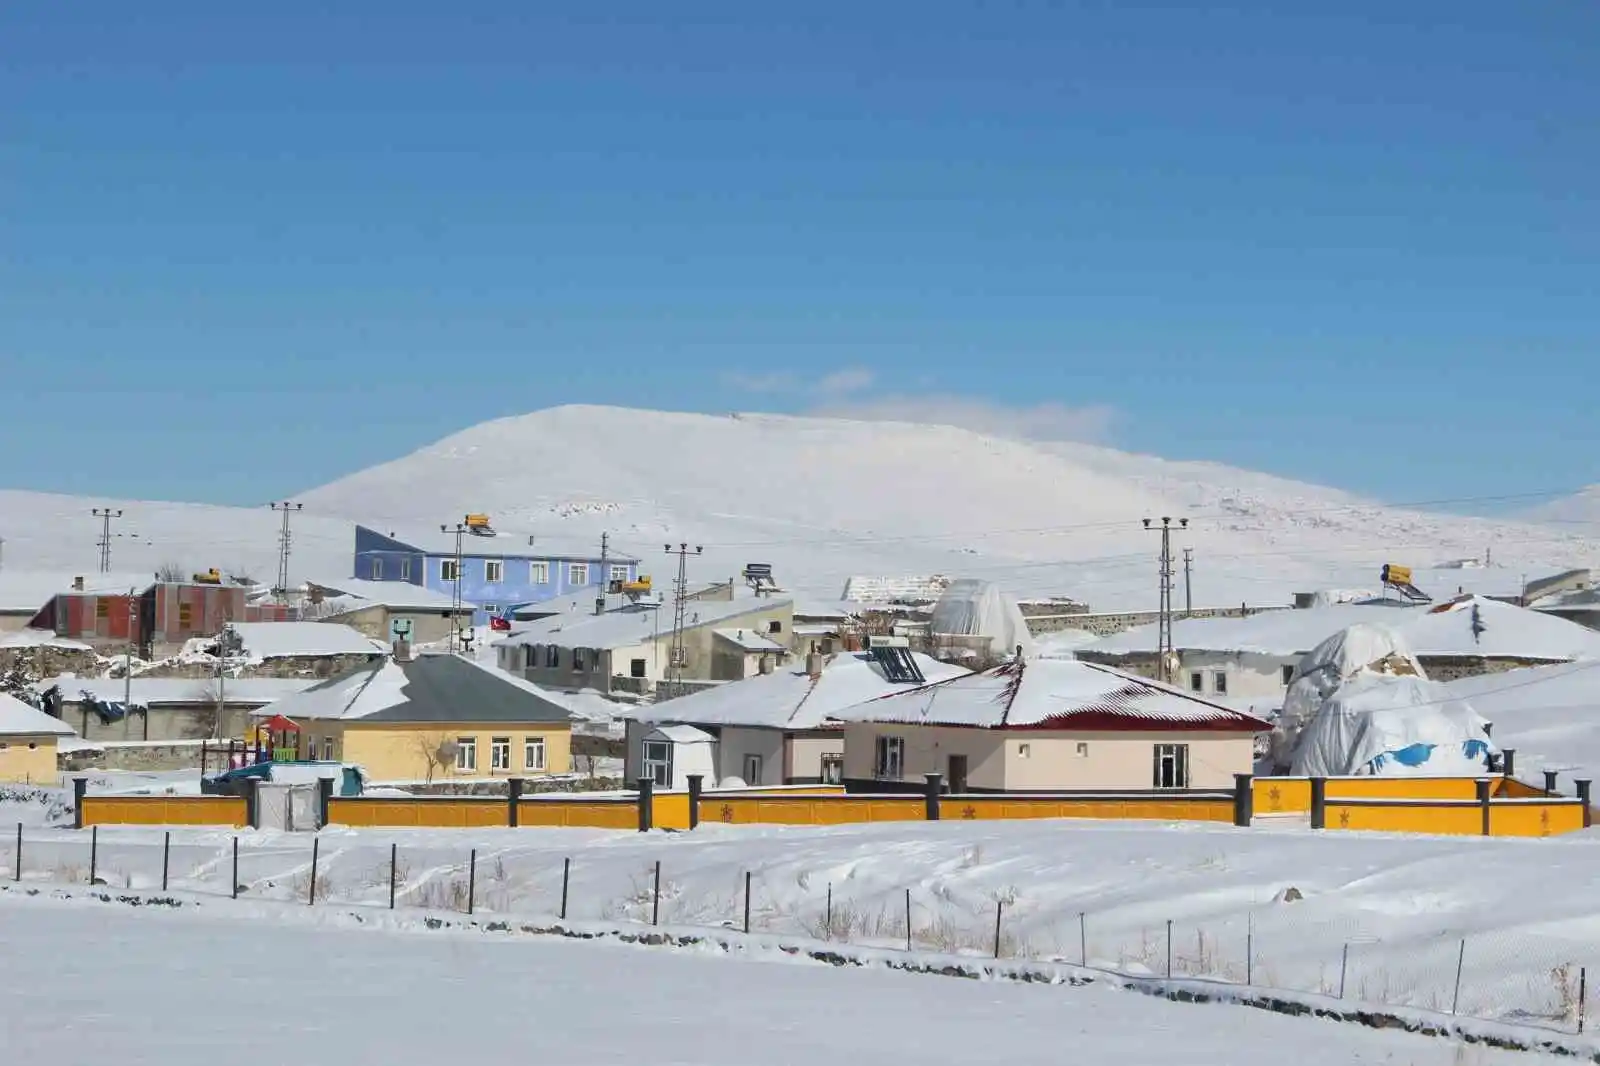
x,y
1047,725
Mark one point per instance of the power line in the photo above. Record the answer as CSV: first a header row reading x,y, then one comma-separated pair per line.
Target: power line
x,y
106,516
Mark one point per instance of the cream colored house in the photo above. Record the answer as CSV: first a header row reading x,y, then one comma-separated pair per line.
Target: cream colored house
x,y
432,718
630,649
1047,725
28,743
387,610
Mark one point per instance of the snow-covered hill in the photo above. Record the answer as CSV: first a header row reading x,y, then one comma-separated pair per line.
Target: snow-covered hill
x,y
823,499
1580,512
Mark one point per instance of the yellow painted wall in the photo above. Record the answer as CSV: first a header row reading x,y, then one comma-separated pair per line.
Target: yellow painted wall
x,y
391,751
1407,818
1292,795
1176,810
776,790
28,760
1281,795
1535,819
575,813
811,810
164,810
438,811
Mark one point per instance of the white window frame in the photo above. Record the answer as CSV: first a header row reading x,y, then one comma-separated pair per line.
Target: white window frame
x,y
639,668
539,573
552,656
578,659
499,754
1173,757
490,608
889,758
658,762
327,749
448,570
533,753
377,569
578,574
833,768
494,571
1219,682
1197,681
617,573
405,568
466,755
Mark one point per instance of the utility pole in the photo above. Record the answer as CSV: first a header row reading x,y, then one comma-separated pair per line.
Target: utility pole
x,y
605,574
680,607
106,515
1164,629
281,592
127,659
460,529
1188,583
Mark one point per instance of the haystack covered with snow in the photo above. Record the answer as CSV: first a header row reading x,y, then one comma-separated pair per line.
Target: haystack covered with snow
x,y
976,615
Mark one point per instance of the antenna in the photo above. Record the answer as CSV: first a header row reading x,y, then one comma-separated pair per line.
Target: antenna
x,y
106,515
281,592
679,658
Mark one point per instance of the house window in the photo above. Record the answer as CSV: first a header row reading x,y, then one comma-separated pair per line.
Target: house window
x,y
658,762
890,762
500,753
494,571
491,608
1197,682
538,573
185,616
1024,751
552,656
1083,749
405,569
752,769
327,749
467,754
102,608
1288,674
774,626
377,569
533,753
618,573
833,769
1172,766
578,574
448,571
636,668
577,660
1219,682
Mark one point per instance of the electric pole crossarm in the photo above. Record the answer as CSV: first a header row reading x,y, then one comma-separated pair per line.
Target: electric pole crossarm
x,y
284,540
1165,658
679,657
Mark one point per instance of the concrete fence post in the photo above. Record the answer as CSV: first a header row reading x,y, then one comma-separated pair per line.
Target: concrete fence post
x,y
80,789
1508,762
514,802
647,804
1319,803
252,802
696,783
1550,783
930,794
1244,799
1485,790
324,800
1583,795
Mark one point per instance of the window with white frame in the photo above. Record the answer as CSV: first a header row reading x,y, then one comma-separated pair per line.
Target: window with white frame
x,y
448,571
889,763
491,608
405,568
580,657
833,769
1172,766
500,753
539,573
578,573
1219,682
658,762
494,571
618,573
467,754
533,753
552,656
327,749
377,569
1197,681
752,769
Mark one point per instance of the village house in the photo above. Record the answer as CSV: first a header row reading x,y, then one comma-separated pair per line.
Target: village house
x,y
773,729
153,619
162,708
300,649
1047,725
629,650
24,592
28,743
389,610
432,718
496,571
1255,657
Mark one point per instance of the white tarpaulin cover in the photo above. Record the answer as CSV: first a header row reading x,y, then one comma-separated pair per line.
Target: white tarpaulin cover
x,y
973,608
1390,725
1363,646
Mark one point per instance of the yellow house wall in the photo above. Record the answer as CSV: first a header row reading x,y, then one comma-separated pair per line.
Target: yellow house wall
x,y
391,751
28,760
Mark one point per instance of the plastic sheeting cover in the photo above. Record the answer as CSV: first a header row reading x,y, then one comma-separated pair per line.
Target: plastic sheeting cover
x,y
1387,725
970,607
1326,667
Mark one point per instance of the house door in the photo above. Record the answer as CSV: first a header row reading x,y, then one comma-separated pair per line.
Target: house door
x,y
752,769
958,774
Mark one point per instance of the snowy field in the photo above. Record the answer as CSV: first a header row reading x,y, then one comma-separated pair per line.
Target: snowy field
x,y
88,982
1385,919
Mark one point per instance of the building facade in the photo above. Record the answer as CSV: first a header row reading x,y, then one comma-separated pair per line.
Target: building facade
x,y
495,572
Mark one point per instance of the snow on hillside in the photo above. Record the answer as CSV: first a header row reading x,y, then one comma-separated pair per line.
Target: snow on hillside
x,y
1579,512
824,500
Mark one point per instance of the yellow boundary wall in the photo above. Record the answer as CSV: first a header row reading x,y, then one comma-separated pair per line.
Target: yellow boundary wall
x,y
163,810
1507,817
1292,795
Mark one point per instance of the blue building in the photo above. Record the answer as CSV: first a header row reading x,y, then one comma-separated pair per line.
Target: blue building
x,y
496,570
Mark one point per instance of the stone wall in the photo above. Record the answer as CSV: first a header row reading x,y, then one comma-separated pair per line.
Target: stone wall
x,y
180,755
289,666
1104,625
44,661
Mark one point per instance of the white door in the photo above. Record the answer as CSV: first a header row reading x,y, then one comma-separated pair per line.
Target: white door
x,y
303,808
752,769
272,806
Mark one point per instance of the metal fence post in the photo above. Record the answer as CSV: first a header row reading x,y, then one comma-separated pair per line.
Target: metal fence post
x,y
1169,949
1583,995
747,901
1249,949
311,893
166,857
655,905
94,853
1083,939
394,859
1344,966
908,919
827,917
566,875
1461,957
999,907
472,880
235,887
16,875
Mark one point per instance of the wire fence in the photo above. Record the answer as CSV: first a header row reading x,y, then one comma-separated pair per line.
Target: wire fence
x,y
1520,977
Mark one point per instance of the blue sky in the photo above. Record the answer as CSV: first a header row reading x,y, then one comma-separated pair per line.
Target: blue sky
x,y
277,245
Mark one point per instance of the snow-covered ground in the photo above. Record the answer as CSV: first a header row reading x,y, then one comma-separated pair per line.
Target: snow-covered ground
x,y
1383,916
88,982
836,498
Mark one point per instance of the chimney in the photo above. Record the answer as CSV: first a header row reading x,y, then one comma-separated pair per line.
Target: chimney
x,y
77,584
402,651
814,664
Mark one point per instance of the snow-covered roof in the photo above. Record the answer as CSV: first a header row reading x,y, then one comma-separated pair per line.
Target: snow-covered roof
x,y
749,640
19,719
789,698
276,640
358,593
148,691
681,734
508,545
625,628
429,688
25,591
1431,631
861,589
40,638
1054,694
